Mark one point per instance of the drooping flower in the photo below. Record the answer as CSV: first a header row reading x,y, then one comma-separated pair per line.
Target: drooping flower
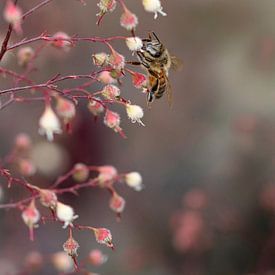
x,y
112,120
153,6
107,174
65,109
103,236
134,180
128,20
49,123
134,43
100,59
48,198
116,60
117,203
26,167
31,217
71,246
97,258
80,172
139,80
95,107
106,6
62,41
106,78
135,113
65,213
110,92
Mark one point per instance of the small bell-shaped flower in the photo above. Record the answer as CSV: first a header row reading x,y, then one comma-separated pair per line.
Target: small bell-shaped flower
x,y
117,203
13,15
65,213
103,236
134,180
128,20
135,113
153,6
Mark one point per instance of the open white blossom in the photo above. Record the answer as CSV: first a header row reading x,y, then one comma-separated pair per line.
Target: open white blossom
x,y
134,43
153,6
65,213
49,123
135,113
134,180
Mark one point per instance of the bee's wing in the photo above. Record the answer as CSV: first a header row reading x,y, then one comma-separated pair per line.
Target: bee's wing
x,y
176,63
169,92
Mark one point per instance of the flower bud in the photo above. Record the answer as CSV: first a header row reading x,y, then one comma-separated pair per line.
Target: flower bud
x,y
100,59
62,41
26,167
106,175
153,6
65,213
135,113
70,247
97,258
134,43
48,198
31,217
128,20
134,180
95,107
13,15
112,120
65,109
49,123
117,203
62,262
111,92
116,60
103,236
24,56
106,78
22,142
81,172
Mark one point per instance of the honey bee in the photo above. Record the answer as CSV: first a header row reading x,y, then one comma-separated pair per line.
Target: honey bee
x,y
157,61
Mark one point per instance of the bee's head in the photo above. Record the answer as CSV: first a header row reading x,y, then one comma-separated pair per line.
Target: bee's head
x,y
152,45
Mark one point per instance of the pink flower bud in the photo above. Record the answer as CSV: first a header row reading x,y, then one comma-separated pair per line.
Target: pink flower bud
x,y
116,60
22,142
97,258
26,167
128,20
111,92
95,107
13,15
49,123
153,6
106,78
117,203
65,109
81,172
70,247
100,59
112,120
48,198
103,236
65,213
31,217
24,56
106,175
62,262
139,80
62,41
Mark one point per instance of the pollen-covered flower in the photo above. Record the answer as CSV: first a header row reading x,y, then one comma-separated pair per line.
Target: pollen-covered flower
x,y
65,109
106,6
62,41
112,120
65,213
110,92
13,15
116,60
48,198
71,246
49,123
80,172
24,56
96,257
135,113
128,20
95,107
106,78
31,217
153,6
100,59
103,236
134,43
134,180
117,203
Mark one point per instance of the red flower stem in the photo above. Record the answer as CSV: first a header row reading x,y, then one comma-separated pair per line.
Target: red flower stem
x,y
44,3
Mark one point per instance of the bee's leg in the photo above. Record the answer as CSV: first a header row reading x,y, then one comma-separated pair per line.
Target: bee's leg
x,y
135,63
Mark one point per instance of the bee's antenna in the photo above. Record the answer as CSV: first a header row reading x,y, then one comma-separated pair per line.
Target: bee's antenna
x,y
155,36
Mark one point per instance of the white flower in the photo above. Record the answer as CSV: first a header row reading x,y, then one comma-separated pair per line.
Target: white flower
x,y
135,113
153,6
134,180
65,213
49,123
134,43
